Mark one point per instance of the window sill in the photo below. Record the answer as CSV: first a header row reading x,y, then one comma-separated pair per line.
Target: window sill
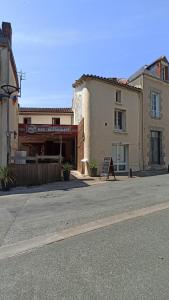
x,y
120,131
156,118
118,103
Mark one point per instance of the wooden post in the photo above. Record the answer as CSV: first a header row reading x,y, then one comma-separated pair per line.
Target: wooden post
x,y
75,153
60,154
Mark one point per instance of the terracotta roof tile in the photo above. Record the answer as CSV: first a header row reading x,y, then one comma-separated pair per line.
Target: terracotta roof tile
x,y
113,81
46,109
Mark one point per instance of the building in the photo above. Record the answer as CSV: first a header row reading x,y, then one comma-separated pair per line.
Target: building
x,y
8,105
108,113
126,119
48,133
153,79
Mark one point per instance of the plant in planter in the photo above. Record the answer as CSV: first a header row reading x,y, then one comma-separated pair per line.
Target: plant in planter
x,y
6,178
66,171
93,168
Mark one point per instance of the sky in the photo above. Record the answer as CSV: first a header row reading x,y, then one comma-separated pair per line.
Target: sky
x,y
56,41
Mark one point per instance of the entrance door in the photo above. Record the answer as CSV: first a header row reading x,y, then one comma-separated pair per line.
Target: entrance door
x,y
120,157
155,147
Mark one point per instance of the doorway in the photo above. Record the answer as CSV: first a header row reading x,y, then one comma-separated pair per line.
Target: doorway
x,y
155,147
120,157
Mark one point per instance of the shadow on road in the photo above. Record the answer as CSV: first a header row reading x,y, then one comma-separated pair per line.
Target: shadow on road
x,y
59,185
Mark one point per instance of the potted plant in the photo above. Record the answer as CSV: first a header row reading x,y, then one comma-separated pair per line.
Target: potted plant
x,y
5,178
93,168
66,171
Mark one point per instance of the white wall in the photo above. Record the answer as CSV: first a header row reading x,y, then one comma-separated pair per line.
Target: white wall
x,y
66,119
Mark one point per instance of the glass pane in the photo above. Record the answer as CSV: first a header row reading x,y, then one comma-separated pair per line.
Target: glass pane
x,y
114,153
122,167
121,154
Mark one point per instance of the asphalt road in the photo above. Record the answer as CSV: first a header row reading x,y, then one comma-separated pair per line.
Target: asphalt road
x,y
51,209
129,260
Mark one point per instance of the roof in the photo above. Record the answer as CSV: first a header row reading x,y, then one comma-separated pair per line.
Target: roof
x,y
137,73
164,58
113,81
145,68
45,110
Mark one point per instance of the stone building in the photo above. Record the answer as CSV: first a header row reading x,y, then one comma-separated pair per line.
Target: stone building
x,y
153,79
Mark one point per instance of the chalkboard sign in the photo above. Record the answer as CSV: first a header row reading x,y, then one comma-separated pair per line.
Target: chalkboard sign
x,y
107,167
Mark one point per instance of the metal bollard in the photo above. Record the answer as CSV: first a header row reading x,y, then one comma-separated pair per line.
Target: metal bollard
x,y
130,173
168,168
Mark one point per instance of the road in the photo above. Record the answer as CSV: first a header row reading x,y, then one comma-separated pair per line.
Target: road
x,y
125,258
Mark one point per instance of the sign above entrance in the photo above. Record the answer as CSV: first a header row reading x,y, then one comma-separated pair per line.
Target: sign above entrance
x,y
47,129
37,129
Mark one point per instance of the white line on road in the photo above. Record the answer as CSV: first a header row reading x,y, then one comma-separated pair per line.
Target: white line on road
x,y
40,241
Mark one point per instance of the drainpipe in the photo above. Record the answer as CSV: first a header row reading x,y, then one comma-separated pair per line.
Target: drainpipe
x,y
87,130
142,120
8,137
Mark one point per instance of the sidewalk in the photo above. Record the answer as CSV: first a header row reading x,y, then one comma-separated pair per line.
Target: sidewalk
x,y
77,180
96,180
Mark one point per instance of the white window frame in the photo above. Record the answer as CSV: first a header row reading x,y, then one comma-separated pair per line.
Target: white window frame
x,y
118,96
117,163
155,104
116,120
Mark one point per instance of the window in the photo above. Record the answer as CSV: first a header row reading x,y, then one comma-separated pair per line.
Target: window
x,y
155,105
55,121
118,96
120,157
120,120
26,120
156,137
164,72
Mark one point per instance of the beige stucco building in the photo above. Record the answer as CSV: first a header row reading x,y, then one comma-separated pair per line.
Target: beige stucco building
x,y
110,111
153,80
8,107
50,116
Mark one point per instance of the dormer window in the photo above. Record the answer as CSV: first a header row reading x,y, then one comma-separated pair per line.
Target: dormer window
x,y
164,72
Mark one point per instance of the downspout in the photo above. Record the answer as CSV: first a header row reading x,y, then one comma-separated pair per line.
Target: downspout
x,y
8,129
143,121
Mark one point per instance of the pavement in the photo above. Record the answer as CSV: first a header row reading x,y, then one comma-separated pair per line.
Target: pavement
x,y
106,240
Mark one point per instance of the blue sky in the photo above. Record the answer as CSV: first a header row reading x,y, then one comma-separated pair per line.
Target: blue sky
x,y
56,41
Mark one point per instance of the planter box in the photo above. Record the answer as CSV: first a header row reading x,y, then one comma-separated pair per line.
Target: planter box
x,y
66,175
93,172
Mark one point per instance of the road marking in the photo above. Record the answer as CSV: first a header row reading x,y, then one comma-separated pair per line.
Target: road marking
x,y
26,246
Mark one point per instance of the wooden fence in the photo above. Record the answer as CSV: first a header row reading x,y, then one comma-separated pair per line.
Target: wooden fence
x,y
35,174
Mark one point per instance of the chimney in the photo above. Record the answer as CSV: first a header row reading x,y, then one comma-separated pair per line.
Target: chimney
x,y
7,31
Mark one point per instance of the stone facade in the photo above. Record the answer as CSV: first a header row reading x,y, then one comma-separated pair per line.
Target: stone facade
x,y
154,80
